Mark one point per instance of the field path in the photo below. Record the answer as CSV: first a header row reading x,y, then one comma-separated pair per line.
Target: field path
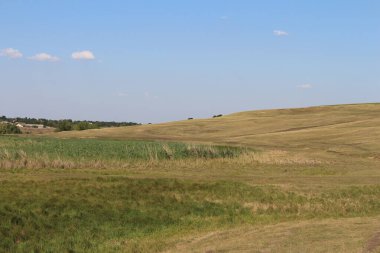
x,y
373,243
348,235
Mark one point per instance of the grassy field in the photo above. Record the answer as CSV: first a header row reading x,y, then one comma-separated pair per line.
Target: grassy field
x,y
340,128
294,180
72,153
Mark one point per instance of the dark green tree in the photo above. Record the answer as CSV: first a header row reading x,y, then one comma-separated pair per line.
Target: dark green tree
x,y
9,129
65,125
83,125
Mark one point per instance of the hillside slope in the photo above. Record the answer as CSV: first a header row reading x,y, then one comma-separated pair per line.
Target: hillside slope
x,y
310,184
348,128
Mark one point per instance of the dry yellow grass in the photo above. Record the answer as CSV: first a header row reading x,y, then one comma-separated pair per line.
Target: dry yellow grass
x,y
327,236
350,129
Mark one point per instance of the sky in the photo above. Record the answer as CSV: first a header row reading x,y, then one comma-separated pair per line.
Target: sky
x,y
156,61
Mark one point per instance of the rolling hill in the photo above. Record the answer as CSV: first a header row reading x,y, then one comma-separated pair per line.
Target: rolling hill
x,y
308,182
350,129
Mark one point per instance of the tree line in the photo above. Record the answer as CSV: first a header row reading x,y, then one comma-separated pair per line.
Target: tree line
x,y
68,124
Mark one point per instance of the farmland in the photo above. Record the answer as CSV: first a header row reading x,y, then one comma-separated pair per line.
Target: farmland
x,y
292,180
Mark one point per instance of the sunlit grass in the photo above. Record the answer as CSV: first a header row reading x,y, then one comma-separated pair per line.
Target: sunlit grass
x,y
84,214
19,152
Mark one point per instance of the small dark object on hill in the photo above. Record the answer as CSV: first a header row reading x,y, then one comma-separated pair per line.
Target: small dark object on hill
x,y
190,118
217,116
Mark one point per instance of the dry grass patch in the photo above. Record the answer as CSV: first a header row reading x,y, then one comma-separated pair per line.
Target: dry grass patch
x,y
279,157
332,236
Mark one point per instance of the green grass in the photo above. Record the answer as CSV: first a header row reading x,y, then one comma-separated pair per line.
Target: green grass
x,y
45,152
77,215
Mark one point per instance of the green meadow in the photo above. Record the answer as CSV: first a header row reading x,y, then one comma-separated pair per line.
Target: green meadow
x,y
48,152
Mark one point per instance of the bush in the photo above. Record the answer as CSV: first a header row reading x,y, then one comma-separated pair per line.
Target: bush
x,y
9,129
65,125
83,125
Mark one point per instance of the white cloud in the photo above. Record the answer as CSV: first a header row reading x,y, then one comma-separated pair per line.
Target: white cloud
x,y
280,33
11,53
305,86
44,57
83,55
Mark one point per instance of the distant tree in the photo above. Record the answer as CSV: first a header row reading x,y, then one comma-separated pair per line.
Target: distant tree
x,y
190,118
9,129
83,125
217,116
65,125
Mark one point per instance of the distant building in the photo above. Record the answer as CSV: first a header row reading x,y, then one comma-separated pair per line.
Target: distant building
x,y
23,125
34,126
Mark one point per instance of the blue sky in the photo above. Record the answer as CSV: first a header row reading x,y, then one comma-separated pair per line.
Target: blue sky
x,y
155,61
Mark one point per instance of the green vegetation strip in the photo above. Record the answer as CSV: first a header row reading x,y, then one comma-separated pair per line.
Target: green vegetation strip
x,y
85,215
14,148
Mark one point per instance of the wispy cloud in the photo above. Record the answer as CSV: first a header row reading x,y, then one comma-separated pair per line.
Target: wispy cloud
x,y
44,57
122,94
148,95
83,55
305,86
280,33
11,53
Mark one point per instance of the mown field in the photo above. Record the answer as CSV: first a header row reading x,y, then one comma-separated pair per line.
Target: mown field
x,y
217,193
